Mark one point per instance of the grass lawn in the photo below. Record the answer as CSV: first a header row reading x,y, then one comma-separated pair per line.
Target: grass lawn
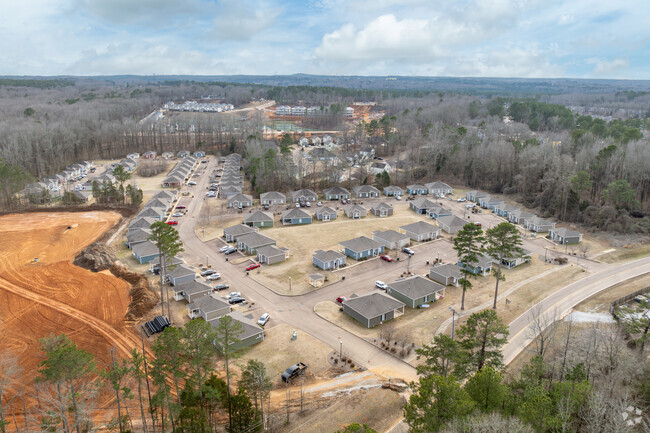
x,y
600,302
625,254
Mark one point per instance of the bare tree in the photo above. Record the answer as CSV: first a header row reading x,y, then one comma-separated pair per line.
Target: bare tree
x,y
541,329
9,386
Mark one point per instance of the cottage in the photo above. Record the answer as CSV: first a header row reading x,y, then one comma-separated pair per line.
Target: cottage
x,y
373,309
229,191
153,212
326,213
154,264
437,211
537,224
482,267
191,290
381,209
355,211
271,255
491,202
141,223
447,274
167,155
251,333
393,191
416,189
421,205
84,196
157,203
199,154
475,196
304,196
272,197
145,252
233,232
511,262
563,236
328,259
379,167
239,201
259,219
183,154
362,247
137,236
251,242
420,231
180,274
149,155
503,209
451,224
173,181
367,152
167,196
295,216
366,191
439,188
415,291
519,216
391,239
208,308
134,155
336,193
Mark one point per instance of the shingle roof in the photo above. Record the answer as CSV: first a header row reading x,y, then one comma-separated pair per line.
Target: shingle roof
x,y
448,270
272,195
239,198
249,326
452,221
142,222
415,186
258,216
295,213
138,235
393,188
437,185
238,230
193,287
564,232
361,243
423,203
329,255
373,305
380,205
415,287
336,190
208,304
366,188
326,210
390,235
147,248
181,271
270,251
303,192
254,240
419,228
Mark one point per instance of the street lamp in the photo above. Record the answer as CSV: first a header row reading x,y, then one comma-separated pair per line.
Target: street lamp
x,y
340,349
289,283
453,315
545,251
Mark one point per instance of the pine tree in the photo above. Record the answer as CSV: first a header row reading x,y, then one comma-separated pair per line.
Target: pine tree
x,y
503,242
480,342
166,238
468,245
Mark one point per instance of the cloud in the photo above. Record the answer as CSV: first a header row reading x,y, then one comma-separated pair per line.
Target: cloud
x,y
239,20
147,13
609,68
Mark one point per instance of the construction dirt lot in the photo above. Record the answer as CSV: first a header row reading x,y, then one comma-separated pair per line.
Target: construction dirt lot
x,y
42,293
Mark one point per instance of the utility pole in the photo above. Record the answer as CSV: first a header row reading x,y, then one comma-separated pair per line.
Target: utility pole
x,y
453,315
340,349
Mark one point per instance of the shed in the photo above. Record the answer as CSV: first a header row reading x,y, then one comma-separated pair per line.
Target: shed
x,y
416,290
316,280
373,309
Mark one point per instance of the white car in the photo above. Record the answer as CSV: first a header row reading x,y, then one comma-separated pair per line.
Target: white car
x,y
191,183
380,285
308,204
233,295
320,203
263,319
214,277
177,214
398,197
210,194
470,205
224,249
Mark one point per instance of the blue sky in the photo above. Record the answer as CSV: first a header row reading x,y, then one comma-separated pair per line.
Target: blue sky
x,y
479,38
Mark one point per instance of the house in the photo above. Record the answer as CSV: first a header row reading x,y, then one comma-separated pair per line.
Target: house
x,y
166,195
336,193
233,232
134,155
251,242
451,224
303,142
239,201
183,154
199,154
349,112
415,291
367,153
149,155
229,191
295,216
379,167
416,189
153,212
373,309
421,231
208,308
563,236
393,191
145,252
391,239
421,205
316,280
272,197
259,219
322,154
328,259
511,262
437,211
361,248
191,290
157,203
537,224
283,110
326,213
482,267
173,181
167,155
154,264
141,223
503,209
475,195
251,333
438,188
381,209
106,177
519,216
84,196
366,191
271,255
180,274
491,202
304,196
137,236
447,274
355,211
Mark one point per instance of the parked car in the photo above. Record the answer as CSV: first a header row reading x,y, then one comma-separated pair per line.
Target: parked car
x,y
293,371
340,299
208,272
343,201
263,319
214,277
253,266
210,194
224,249
177,214
233,295
320,203
381,285
297,204
181,207
236,300
479,224
470,205
191,183
308,204
398,197
205,161
221,287
408,251
386,258
230,250
424,306
172,223
460,200
186,193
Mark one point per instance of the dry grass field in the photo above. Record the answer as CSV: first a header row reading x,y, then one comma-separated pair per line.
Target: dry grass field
x,y
625,254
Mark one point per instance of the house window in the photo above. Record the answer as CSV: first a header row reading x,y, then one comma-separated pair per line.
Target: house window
x,y
383,317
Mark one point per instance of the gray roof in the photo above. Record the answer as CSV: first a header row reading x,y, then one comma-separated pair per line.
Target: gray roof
x,y
373,305
452,221
258,216
329,255
137,235
380,205
438,209
152,212
521,214
142,222
230,189
366,188
172,261
507,207
254,240
316,276
393,188
485,261
423,203
272,195
303,192
564,232
379,165
437,185
390,235
539,221
249,326
270,251
295,213
353,207
361,243
448,270
336,190
208,304
193,287
419,228
416,186
83,194
240,198
238,230
147,248
416,287
181,271
493,200
326,210
156,202
165,195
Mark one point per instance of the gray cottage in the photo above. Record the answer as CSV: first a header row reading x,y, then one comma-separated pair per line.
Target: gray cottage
x,y
475,196
366,191
416,189
382,209
272,197
251,242
208,308
421,231
326,213
447,274
436,212
145,252
180,274
251,334
137,236
415,291
355,211
504,209
259,219
295,217
304,196
271,255
239,201
519,216
393,191
328,259
422,205
537,224
438,188
451,224
191,290
373,309
362,247
233,232
482,267
561,235
391,239
336,193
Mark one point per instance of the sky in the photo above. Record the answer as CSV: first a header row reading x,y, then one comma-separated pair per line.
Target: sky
x,y
469,38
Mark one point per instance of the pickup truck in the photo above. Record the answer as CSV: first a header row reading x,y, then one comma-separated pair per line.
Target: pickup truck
x,y
293,371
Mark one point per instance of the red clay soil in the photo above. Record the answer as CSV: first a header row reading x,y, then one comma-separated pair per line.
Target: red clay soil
x,y
52,296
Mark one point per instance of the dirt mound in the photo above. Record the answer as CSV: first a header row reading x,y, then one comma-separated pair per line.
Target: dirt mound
x,y
96,257
143,299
